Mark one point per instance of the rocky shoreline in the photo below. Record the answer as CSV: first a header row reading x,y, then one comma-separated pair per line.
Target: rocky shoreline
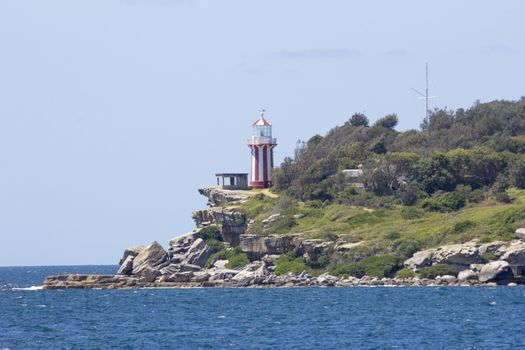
x,y
189,261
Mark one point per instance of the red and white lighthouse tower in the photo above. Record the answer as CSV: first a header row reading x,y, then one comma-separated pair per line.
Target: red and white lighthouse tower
x,y
262,144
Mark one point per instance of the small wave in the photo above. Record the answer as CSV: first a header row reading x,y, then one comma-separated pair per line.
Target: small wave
x,y
32,288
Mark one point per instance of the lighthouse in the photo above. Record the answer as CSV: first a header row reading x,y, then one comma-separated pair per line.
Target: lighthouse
x,y
261,144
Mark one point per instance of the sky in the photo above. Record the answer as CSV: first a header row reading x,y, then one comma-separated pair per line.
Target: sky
x,y
114,112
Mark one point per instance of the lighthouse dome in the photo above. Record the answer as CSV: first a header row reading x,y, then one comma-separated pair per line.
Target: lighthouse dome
x,y
262,127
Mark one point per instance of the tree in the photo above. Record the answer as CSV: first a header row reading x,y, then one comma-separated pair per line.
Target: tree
x,y
359,120
388,122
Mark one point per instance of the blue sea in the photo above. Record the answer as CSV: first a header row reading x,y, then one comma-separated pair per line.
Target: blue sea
x,y
295,318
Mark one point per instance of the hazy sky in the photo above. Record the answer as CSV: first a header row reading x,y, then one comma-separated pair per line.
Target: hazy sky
x,y
114,112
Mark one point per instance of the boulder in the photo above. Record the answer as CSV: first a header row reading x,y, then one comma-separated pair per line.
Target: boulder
x,y
447,279
251,271
496,271
220,264
174,268
458,256
201,276
198,253
513,253
491,247
150,274
185,276
327,280
467,275
520,233
153,257
257,246
420,259
344,247
126,267
131,251
180,245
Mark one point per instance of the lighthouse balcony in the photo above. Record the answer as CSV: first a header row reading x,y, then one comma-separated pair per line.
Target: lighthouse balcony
x,y
261,140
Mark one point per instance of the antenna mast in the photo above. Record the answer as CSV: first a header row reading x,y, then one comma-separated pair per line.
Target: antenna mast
x,y
426,97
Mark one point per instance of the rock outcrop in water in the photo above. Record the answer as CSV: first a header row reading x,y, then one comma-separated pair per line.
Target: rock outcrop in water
x,y
186,262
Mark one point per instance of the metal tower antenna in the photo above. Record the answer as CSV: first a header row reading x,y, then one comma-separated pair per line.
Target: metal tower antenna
x,y
426,97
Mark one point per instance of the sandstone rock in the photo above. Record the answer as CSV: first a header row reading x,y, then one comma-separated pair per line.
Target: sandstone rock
x,y
220,264
476,267
131,251
185,276
153,256
198,253
201,276
174,268
221,274
150,274
457,255
467,275
420,259
232,223
251,271
346,247
126,267
491,247
180,245
257,246
447,279
327,280
514,253
520,233
496,271
218,196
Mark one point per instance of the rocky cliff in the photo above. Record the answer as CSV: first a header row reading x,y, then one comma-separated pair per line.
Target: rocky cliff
x,y
201,258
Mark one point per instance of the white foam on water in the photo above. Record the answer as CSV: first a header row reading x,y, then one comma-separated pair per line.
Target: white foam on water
x,y
32,288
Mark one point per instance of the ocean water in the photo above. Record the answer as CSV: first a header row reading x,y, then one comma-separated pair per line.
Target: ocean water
x,y
295,318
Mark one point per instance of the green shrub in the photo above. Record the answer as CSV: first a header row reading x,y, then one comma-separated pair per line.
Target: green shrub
x,y
210,232
436,270
236,258
502,197
373,266
289,263
410,213
392,236
405,273
462,226
488,256
214,245
476,196
451,201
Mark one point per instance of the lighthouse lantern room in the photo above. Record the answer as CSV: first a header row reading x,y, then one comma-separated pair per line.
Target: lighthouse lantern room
x,y
261,144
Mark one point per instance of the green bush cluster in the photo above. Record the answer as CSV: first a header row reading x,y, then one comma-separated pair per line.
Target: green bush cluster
x,y
436,270
373,266
451,201
289,262
405,273
236,258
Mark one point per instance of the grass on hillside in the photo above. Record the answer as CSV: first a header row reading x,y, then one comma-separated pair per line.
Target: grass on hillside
x,y
397,229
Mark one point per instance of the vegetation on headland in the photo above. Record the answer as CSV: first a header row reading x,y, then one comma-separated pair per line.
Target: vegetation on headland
x,y
465,181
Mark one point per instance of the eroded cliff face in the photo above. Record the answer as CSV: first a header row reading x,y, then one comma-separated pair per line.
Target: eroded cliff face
x,y
231,222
